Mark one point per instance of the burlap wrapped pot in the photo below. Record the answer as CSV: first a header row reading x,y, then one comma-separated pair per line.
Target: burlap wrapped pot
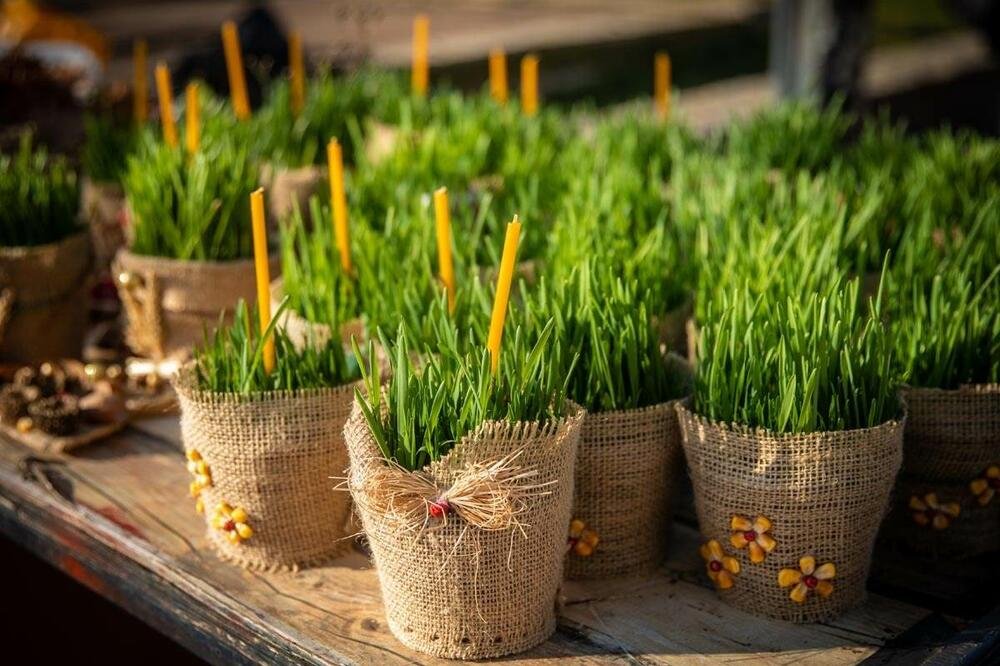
x,y
625,473
824,493
952,437
300,330
272,455
169,303
103,206
453,589
290,187
43,300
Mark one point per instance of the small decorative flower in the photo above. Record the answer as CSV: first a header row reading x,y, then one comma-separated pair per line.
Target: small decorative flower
x,y
201,472
720,567
233,522
985,487
753,534
582,541
808,578
928,511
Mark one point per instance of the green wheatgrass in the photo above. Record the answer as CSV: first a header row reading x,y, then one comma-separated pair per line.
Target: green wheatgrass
x,y
39,198
106,148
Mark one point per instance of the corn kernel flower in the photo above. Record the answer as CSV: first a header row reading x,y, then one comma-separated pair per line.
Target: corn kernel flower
x,y
233,522
720,567
808,578
201,472
929,511
987,486
753,534
581,540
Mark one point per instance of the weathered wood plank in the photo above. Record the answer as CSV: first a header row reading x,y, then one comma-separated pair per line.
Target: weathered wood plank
x,y
129,531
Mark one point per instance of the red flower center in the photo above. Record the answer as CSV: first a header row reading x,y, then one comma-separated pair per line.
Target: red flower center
x,y
750,535
229,526
715,565
810,581
438,508
995,483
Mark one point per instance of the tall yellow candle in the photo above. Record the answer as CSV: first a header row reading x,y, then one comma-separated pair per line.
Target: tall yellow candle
x,y
442,219
420,73
661,85
298,73
498,75
192,118
338,200
529,85
234,67
140,81
263,273
165,96
504,280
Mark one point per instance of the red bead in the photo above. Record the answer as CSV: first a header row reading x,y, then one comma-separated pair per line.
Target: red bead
x,y
750,535
229,526
439,508
810,581
715,565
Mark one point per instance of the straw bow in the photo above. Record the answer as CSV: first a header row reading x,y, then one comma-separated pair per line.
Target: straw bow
x,y
490,496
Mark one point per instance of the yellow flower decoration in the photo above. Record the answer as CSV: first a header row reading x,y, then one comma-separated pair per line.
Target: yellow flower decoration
x,y
720,567
808,578
234,522
987,486
201,472
753,534
929,511
582,541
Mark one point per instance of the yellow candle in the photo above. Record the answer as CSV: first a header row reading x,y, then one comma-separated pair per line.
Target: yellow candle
x,y
166,105
504,280
140,82
420,73
338,200
263,273
442,219
234,66
192,119
529,85
661,85
298,73
498,75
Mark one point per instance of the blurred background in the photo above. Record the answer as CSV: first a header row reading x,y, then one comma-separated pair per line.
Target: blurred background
x,y
928,62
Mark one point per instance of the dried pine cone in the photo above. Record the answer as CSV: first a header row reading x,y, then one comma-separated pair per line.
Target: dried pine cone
x,y
13,404
58,415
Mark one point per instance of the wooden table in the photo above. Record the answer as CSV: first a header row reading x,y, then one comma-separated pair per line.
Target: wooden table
x,y
116,517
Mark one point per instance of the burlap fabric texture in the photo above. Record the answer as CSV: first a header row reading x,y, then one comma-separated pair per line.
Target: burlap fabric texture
x,y
625,473
288,187
103,207
824,493
302,331
273,455
170,303
43,300
951,438
455,590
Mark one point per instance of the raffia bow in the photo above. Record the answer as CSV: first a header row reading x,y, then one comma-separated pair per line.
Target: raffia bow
x,y
140,296
490,496
6,308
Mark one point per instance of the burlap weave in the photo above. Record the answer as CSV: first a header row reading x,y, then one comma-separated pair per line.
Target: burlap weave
x,y
951,437
825,494
273,455
288,187
44,290
458,591
169,303
103,206
300,330
625,473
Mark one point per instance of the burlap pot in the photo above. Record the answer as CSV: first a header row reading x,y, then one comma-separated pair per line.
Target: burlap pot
x,y
625,473
951,438
44,300
452,589
272,454
103,206
824,493
170,303
288,187
381,141
300,330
